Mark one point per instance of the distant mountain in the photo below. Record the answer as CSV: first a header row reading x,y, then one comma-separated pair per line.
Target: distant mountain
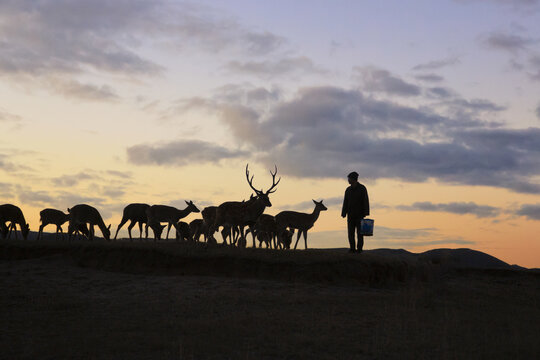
x,y
454,258
463,258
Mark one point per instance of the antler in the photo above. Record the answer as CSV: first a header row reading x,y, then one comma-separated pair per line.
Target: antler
x,y
250,181
274,183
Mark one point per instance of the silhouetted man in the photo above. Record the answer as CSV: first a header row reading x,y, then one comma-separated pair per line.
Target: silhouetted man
x,y
355,207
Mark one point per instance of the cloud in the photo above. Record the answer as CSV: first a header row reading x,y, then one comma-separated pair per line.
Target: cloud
x,y
534,72
245,94
181,153
323,132
72,180
59,200
52,40
514,3
432,78
72,88
437,64
531,211
273,68
460,208
6,165
475,105
379,80
387,237
538,111
507,42
6,117
120,174
440,92
6,190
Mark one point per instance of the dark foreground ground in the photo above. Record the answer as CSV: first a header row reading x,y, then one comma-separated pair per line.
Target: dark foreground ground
x,y
176,301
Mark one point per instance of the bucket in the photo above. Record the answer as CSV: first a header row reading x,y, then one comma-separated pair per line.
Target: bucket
x,y
366,227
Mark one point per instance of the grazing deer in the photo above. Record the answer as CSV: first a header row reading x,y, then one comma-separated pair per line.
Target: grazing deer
x,y
301,221
3,230
136,213
12,214
58,218
236,214
183,232
265,230
284,238
163,213
83,214
197,228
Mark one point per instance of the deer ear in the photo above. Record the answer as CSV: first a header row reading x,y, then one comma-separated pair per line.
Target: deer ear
x,y
314,201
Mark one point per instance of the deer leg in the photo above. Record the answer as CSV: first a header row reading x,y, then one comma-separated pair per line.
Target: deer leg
x,y
91,232
169,229
58,229
145,231
119,226
305,238
297,238
252,234
13,228
140,230
61,231
224,234
131,225
40,231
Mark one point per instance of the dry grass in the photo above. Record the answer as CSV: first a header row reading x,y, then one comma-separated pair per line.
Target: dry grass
x,y
130,300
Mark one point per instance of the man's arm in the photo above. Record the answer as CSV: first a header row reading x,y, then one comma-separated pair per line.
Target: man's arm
x,y
366,202
344,207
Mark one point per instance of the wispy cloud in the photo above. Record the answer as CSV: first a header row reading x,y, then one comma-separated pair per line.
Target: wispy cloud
x,y
380,80
273,68
531,211
58,41
75,89
507,42
181,153
72,180
517,4
9,118
388,237
461,208
431,78
437,64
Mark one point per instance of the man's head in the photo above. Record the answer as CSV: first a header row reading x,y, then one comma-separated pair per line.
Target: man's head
x,y
353,177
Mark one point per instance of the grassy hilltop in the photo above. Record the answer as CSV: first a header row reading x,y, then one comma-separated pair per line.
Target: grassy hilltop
x,y
188,301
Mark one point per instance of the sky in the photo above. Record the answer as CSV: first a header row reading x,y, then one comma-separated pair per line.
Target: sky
x,y
436,104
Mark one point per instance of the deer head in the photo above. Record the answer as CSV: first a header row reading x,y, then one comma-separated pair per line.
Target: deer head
x,y
107,232
191,207
261,194
319,206
25,230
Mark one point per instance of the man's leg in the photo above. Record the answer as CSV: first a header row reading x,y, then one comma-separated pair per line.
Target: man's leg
x,y
360,246
351,225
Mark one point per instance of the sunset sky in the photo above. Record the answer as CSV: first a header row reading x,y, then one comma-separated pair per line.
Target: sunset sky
x,y
436,104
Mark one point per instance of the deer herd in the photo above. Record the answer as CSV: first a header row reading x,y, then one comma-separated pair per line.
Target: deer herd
x,y
236,219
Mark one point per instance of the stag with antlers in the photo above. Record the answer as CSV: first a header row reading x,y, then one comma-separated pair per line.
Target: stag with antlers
x,y
241,214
